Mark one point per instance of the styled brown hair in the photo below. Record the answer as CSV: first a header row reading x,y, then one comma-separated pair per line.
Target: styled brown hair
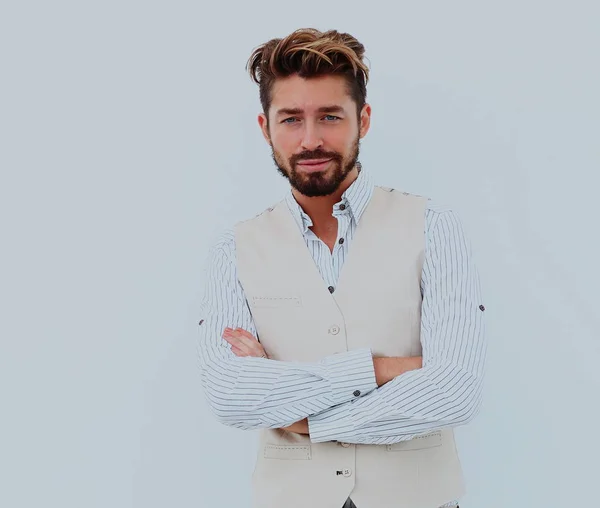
x,y
310,53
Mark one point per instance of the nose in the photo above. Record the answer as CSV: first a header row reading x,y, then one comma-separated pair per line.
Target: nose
x,y
311,138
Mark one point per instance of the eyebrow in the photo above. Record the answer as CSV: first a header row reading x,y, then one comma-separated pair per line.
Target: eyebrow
x,y
322,109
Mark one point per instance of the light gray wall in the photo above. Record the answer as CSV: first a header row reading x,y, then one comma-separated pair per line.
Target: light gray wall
x,y
129,140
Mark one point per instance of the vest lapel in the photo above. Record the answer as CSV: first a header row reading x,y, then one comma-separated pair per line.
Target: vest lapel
x,y
300,254
299,257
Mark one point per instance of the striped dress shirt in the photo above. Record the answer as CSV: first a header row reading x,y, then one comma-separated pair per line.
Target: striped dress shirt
x,y
252,393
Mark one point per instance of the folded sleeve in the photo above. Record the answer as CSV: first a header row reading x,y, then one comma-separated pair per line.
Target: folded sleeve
x,y
447,390
250,393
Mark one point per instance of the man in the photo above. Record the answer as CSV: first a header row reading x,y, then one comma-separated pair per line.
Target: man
x,y
345,321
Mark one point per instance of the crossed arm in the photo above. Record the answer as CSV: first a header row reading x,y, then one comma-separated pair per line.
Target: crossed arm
x,y
244,344
445,390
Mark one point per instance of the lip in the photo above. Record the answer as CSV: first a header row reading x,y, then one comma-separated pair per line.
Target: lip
x,y
314,164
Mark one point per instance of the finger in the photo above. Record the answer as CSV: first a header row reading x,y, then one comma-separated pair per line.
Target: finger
x,y
237,352
254,349
254,344
238,332
245,333
236,347
233,334
245,342
237,343
246,339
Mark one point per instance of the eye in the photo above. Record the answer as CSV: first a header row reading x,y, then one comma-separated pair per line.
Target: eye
x,y
291,119
331,118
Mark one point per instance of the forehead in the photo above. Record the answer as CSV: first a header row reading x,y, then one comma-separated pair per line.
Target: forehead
x,y
309,94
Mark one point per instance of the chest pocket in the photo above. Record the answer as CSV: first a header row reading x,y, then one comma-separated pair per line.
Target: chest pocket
x,y
288,452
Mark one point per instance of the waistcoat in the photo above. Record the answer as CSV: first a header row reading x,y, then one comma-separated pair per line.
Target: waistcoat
x,y
376,304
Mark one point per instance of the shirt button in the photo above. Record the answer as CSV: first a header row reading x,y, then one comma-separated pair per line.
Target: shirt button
x,y
334,330
481,307
347,472
331,289
356,393
341,241
342,207
201,321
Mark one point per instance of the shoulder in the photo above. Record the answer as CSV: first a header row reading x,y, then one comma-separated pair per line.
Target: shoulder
x,y
259,217
443,225
222,246
439,212
399,192
224,242
433,207
400,198
436,211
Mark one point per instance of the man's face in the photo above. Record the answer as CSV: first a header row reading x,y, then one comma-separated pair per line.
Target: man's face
x,y
314,132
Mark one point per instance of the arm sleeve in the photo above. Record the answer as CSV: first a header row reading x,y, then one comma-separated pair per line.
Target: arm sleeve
x,y
250,393
446,391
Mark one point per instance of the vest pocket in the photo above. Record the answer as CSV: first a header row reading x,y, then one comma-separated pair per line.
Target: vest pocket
x,y
288,452
430,440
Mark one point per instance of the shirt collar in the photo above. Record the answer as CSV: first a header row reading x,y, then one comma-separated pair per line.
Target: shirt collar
x,y
355,200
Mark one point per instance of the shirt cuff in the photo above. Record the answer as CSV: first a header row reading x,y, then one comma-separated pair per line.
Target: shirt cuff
x,y
352,374
329,425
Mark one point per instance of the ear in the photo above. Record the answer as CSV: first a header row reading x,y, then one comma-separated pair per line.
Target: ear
x,y
263,122
365,120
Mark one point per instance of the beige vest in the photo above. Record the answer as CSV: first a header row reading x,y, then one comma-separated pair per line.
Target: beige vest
x,y
376,304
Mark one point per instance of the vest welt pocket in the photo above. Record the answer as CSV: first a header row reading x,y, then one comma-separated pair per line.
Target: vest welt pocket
x,y
277,301
288,452
430,440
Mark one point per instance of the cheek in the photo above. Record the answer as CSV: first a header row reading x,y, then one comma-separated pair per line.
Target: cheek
x,y
341,142
285,143
341,136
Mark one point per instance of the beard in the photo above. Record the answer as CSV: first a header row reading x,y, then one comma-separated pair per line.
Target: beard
x,y
321,183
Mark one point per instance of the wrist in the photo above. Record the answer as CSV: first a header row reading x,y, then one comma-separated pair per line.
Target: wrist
x,y
388,368
381,365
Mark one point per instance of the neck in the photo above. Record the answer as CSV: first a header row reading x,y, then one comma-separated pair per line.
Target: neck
x,y
320,208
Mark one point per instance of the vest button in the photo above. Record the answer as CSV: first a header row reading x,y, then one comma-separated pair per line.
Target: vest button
x,y
347,472
334,330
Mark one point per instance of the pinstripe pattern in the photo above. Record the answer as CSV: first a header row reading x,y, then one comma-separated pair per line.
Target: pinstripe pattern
x,y
250,393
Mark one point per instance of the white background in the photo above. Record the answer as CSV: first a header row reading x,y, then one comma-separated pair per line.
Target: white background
x,y
129,141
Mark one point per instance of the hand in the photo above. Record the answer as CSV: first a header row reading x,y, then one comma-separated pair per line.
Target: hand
x,y
243,343
300,427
